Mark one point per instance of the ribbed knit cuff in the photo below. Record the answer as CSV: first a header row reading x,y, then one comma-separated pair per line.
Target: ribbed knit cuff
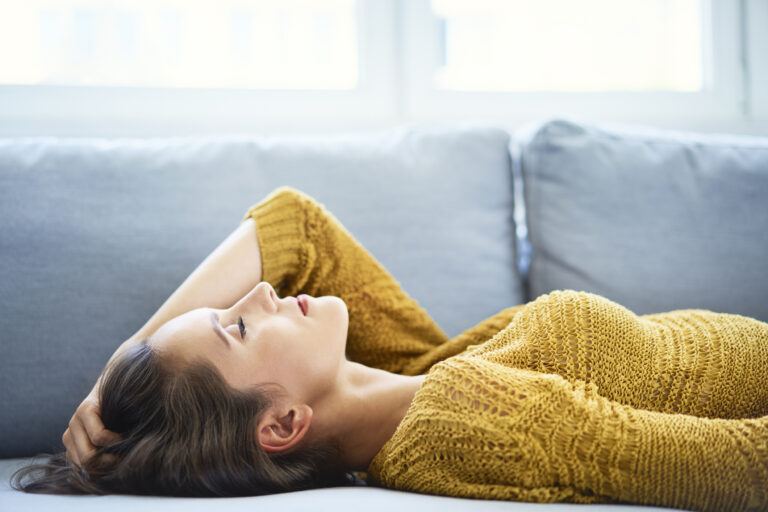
x,y
281,229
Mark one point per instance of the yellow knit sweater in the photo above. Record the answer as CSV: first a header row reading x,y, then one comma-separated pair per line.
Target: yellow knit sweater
x,y
571,397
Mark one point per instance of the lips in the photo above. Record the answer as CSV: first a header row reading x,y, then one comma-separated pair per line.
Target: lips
x,y
303,303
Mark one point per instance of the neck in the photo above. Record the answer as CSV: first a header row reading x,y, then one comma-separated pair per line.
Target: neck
x,y
364,410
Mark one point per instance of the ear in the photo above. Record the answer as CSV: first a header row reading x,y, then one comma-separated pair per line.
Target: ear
x,y
281,430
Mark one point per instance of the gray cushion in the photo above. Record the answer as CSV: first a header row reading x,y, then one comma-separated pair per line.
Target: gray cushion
x,y
335,499
656,220
96,234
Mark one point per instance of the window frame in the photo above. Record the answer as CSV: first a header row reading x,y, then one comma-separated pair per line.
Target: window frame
x,y
723,78
397,38
755,42
133,110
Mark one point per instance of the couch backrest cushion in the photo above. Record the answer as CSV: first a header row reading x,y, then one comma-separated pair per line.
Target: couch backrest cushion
x,y
96,234
653,219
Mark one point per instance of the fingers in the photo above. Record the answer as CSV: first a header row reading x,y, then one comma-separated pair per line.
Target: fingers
x,y
97,432
66,439
82,448
85,432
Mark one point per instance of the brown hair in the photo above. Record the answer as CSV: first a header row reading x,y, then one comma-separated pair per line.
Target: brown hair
x,y
184,432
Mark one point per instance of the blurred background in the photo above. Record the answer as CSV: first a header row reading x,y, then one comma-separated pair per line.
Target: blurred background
x,y
178,67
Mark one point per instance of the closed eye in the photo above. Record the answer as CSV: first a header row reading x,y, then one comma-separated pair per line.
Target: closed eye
x,y
241,325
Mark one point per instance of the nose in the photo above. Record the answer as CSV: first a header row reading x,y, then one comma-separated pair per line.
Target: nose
x,y
267,293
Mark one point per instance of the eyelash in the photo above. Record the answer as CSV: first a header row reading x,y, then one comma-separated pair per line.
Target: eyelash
x,y
241,325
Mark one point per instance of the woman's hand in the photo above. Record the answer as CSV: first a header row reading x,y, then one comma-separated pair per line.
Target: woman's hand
x,y
86,431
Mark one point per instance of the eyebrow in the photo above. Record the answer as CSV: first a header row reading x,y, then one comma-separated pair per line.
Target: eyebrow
x,y
217,328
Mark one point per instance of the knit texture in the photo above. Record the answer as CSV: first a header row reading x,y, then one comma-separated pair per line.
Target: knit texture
x,y
570,397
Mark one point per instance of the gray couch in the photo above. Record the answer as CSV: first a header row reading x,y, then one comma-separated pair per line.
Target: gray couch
x,y
97,233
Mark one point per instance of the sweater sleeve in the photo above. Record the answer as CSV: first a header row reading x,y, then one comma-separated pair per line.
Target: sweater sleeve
x,y
467,340
306,249
477,429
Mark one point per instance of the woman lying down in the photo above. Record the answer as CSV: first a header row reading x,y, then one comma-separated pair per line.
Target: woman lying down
x,y
237,387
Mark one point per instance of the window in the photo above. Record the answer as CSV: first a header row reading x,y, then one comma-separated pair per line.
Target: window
x,y
175,43
168,67
662,62
561,45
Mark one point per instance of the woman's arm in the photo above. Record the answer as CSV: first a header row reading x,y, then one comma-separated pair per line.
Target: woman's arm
x,y
299,247
306,249
223,278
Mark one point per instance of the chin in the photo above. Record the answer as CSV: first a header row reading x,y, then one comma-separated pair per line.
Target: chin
x,y
344,308
340,304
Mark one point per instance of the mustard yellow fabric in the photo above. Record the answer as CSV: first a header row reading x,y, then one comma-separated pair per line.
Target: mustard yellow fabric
x,y
570,397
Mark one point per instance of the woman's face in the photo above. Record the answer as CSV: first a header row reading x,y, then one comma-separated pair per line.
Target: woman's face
x,y
280,344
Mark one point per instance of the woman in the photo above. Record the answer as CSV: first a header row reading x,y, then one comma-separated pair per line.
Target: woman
x,y
570,397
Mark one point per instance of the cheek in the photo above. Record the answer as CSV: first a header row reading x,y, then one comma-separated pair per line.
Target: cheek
x,y
291,353
235,370
280,351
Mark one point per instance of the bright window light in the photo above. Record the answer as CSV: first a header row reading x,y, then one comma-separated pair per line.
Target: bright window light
x,y
261,44
562,45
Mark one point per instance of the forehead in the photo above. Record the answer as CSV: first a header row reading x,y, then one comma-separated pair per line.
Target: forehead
x,y
191,329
